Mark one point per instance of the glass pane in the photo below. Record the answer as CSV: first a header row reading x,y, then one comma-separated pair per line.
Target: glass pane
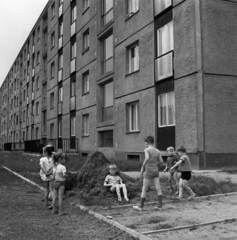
x,y
171,108
107,139
108,114
108,47
161,5
163,120
164,66
108,95
108,17
108,4
109,65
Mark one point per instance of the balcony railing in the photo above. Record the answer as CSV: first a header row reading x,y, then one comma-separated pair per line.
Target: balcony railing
x,y
32,96
73,65
33,72
60,75
60,105
60,10
60,42
108,65
72,103
33,49
164,66
27,100
73,28
28,57
28,78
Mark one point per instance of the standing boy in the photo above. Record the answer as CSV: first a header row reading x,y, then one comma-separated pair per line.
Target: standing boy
x,y
185,169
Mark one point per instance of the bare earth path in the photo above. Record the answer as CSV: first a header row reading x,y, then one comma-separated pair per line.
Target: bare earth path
x,y
23,216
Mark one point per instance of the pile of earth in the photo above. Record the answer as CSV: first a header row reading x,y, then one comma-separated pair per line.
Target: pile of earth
x,y
87,184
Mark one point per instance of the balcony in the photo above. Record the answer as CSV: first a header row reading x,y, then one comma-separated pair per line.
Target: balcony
x,y
28,57
60,42
32,96
60,108
44,102
73,28
60,75
108,65
60,10
28,78
33,49
33,72
73,65
72,103
164,66
27,100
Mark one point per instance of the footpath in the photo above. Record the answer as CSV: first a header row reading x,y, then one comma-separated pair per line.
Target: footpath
x,y
24,216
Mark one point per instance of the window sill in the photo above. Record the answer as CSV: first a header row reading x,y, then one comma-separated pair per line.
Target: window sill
x,y
84,94
85,10
130,132
128,74
52,47
85,50
52,18
129,15
85,136
105,29
105,75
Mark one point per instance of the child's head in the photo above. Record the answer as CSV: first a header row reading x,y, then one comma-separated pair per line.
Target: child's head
x,y
171,151
65,158
48,150
58,157
181,150
112,169
149,140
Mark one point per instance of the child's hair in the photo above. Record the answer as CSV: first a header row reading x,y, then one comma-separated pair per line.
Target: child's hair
x,y
48,149
170,148
65,156
181,149
112,166
56,156
149,140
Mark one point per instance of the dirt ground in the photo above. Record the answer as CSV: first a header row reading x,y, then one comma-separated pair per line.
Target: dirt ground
x,y
23,216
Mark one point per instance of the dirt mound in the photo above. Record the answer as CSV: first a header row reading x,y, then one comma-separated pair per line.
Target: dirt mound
x,y
87,184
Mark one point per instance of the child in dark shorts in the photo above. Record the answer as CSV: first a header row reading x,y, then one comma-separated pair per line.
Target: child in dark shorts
x,y
185,169
174,174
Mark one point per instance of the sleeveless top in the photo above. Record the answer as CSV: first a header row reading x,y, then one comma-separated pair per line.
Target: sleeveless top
x,y
154,157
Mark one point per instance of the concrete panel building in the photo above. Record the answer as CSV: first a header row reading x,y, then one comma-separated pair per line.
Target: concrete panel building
x,y
103,74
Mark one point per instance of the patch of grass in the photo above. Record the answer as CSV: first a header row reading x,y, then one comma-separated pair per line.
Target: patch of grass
x,y
153,220
127,166
230,171
132,226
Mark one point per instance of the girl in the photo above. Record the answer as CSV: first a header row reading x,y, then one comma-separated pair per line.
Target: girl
x,y
46,174
185,169
114,182
150,172
60,175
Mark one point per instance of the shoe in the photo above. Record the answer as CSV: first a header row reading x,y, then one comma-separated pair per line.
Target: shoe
x,y
177,193
50,207
191,197
137,208
126,199
119,199
159,208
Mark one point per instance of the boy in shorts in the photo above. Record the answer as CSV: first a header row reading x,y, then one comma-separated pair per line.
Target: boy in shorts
x,y
174,174
185,169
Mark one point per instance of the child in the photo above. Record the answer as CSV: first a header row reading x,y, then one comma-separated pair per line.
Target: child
x,y
185,169
114,182
170,162
46,174
60,175
150,172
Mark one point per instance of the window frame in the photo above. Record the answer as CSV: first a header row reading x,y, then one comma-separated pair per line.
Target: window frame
x,y
52,40
52,70
104,59
85,78
134,46
85,41
52,100
53,10
73,126
104,14
129,9
103,107
85,125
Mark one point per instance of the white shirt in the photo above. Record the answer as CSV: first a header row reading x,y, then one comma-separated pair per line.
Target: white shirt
x,y
58,171
113,179
47,164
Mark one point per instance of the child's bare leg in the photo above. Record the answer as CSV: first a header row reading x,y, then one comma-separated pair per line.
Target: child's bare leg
x,y
46,193
60,198
51,189
170,181
55,197
185,185
124,191
176,179
159,191
118,192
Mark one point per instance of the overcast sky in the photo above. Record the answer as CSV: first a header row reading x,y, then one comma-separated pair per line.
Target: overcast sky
x,y
17,19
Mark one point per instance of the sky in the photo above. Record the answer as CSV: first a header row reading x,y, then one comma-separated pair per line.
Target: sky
x,y
17,19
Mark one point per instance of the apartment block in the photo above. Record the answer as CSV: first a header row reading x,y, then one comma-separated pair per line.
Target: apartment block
x,y
104,74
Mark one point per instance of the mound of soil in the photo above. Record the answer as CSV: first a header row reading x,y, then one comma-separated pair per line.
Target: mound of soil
x,y
87,184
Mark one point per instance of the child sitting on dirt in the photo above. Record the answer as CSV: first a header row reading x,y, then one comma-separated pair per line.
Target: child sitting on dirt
x,y
46,174
114,182
174,174
185,169
60,175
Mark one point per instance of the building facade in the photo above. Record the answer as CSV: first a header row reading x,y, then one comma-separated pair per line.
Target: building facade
x,y
103,74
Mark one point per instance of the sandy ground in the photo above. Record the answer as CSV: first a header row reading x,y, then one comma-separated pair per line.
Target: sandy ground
x,y
23,216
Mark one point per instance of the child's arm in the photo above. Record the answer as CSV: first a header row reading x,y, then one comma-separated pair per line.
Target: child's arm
x,y
176,164
106,184
145,161
166,168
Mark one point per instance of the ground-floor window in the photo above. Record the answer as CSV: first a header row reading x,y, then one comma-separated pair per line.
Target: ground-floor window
x,y
106,138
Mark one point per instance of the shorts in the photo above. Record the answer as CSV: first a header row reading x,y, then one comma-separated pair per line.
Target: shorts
x,y
151,173
186,175
58,184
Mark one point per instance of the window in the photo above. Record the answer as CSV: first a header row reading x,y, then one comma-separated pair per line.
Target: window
x,y
107,14
37,83
133,58
38,57
60,61
52,72
165,46
85,40
108,54
85,83
33,85
85,124
73,126
53,10
132,7
37,133
37,108
106,139
85,5
73,48
74,13
166,109
161,5
60,94
52,40
52,100
24,95
59,128
133,116
51,130
38,32
60,28
108,98
24,116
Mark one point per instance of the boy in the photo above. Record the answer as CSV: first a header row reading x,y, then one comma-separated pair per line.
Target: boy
x,y
185,169
114,182
170,162
150,172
